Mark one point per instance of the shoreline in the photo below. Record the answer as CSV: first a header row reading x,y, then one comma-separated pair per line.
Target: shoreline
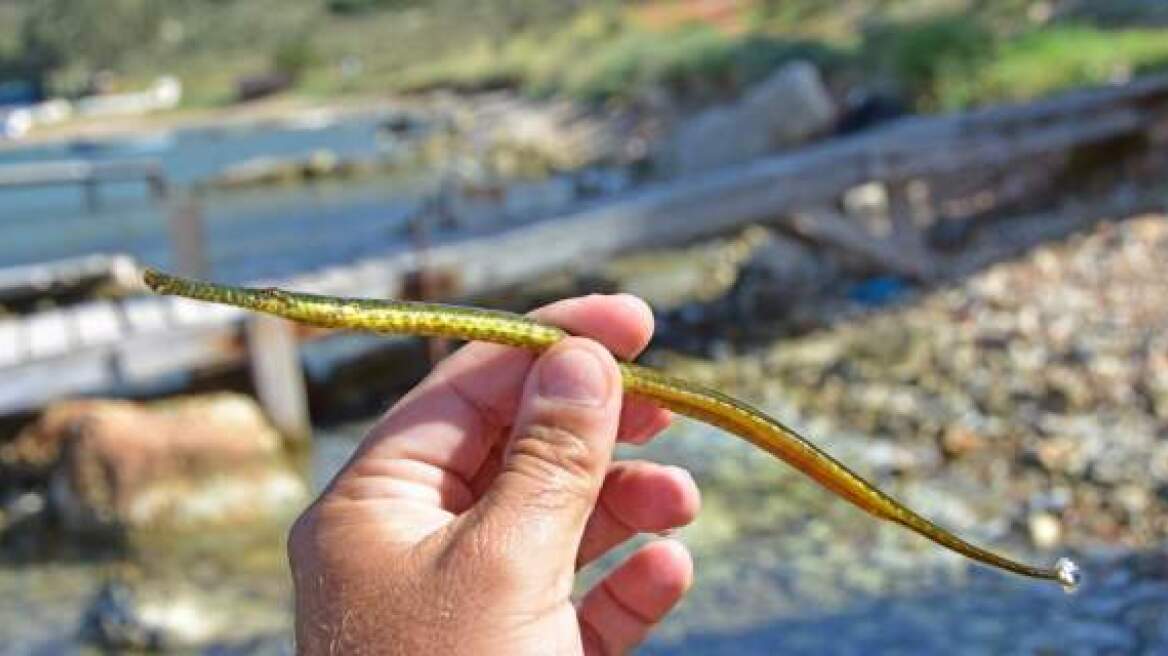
x,y
277,110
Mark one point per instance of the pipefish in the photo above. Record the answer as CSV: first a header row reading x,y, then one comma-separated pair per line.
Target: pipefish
x,y
684,397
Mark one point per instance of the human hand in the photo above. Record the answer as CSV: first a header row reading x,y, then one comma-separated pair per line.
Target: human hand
x,y
460,522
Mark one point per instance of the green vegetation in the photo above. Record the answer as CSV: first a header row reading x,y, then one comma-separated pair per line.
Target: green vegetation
x,y
937,55
350,7
951,62
1041,62
925,57
595,58
294,55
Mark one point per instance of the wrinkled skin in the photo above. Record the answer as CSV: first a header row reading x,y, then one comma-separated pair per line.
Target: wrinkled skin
x,y
460,523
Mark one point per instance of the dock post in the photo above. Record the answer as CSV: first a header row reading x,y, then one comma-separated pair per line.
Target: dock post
x,y
900,209
156,180
907,229
277,375
186,236
92,198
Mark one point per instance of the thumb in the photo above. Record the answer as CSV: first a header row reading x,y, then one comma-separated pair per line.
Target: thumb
x,y
558,453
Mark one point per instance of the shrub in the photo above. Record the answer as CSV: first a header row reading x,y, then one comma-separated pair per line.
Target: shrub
x,y
922,55
350,7
294,55
1049,60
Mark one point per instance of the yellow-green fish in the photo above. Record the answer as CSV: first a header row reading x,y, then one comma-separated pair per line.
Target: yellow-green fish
x,y
690,399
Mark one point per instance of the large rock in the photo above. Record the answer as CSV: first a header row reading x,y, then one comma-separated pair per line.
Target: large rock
x,y
511,137
778,277
128,614
789,107
189,462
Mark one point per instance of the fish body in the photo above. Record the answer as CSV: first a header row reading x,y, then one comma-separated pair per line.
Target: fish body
x,y
685,397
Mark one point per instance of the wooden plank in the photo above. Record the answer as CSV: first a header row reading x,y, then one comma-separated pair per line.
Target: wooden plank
x,y
39,174
11,342
914,132
45,173
146,315
42,274
185,311
689,209
906,240
1015,236
278,375
832,229
97,323
32,280
188,312
34,384
48,334
165,337
148,357
187,237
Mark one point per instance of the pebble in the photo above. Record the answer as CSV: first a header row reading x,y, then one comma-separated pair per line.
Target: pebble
x,y
960,441
1045,382
1045,530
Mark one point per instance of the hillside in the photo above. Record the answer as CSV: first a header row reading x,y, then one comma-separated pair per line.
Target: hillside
x,y
933,55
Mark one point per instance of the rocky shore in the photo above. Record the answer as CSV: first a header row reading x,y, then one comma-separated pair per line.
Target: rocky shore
x,y
1024,407
1044,381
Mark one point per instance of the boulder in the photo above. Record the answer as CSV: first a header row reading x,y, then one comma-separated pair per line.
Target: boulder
x,y
779,275
130,614
261,85
189,462
788,108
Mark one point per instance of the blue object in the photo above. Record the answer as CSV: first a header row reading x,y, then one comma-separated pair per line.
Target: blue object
x,y
19,92
877,291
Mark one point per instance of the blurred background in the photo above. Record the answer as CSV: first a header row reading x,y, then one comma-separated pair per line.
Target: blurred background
x,y
930,234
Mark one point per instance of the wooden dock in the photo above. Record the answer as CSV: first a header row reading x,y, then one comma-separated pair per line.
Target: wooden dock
x,y
113,346
36,281
88,175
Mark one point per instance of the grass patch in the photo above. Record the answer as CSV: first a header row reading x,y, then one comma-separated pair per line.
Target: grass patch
x,y
980,53
922,57
1045,61
598,58
937,62
953,61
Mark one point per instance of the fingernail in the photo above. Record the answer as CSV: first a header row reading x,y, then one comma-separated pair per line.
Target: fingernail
x,y
573,375
635,302
682,471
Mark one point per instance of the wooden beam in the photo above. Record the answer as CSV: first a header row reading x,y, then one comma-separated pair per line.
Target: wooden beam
x,y
97,323
187,237
69,172
32,384
162,338
11,343
833,230
278,375
35,280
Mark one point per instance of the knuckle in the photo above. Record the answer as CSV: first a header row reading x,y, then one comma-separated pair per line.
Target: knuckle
x,y
488,552
554,454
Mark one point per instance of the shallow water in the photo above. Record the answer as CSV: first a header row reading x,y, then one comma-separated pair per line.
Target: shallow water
x,y
249,234
781,568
